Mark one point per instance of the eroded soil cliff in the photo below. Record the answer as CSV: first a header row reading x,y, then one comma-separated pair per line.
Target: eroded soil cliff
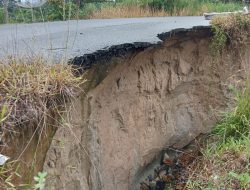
x,y
135,106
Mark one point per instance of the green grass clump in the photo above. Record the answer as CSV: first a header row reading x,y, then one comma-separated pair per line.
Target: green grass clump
x,y
236,124
225,163
219,6
233,29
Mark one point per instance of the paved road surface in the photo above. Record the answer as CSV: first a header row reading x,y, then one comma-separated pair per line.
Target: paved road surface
x,y
76,38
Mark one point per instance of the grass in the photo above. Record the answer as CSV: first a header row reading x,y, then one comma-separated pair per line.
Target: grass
x,y
225,160
162,8
7,173
32,92
58,10
127,12
31,87
225,163
233,29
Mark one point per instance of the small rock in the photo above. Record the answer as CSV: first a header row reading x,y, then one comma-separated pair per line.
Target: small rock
x,y
3,159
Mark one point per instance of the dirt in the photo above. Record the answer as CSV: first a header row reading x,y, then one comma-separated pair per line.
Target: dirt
x,y
136,106
26,146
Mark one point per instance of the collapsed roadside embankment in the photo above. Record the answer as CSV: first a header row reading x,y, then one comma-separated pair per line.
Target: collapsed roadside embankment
x,y
139,104
138,100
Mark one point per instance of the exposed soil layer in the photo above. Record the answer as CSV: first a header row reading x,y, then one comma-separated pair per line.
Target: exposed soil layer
x,y
136,105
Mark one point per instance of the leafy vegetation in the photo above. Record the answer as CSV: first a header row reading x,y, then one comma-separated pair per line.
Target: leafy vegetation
x,y
65,10
40,180
225,163
9,171
236,124
233,29
225,159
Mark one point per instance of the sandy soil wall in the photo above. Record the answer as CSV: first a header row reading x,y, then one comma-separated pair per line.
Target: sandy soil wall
x,y
135,106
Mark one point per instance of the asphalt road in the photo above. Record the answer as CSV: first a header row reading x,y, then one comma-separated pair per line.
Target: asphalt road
x,y
76,38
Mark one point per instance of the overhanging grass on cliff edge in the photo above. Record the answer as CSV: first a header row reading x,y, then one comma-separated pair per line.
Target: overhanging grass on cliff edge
x,y
233,29
29,88
33,93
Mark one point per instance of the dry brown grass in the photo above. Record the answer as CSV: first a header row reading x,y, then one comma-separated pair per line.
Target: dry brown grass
x,y
232,30
33,93
127,12
130,11
29,88
232,22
